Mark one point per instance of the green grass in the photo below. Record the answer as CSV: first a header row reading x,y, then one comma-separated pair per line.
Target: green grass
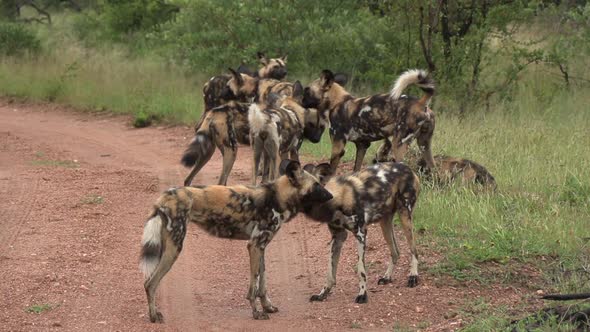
x,y
39,308
56,163
93,199
109,80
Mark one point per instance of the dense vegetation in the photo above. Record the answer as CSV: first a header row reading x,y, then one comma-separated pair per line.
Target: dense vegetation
x,y
513,80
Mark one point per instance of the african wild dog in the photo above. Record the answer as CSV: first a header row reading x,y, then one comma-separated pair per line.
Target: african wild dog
x,y
227,126
448,169
215,90
242,213
372,195
242,85
368,119
222,127
277,131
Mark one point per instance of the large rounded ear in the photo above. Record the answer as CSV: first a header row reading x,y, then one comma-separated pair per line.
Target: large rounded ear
x,y
341,78
237,76
297,89
243,69
323,172
326,78
262,58
309,168
273,99
284,58
292,169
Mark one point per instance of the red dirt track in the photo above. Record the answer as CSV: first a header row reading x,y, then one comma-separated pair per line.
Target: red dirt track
x,y
75,190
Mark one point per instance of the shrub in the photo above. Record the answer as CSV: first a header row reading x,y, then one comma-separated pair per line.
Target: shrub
x,y
16,39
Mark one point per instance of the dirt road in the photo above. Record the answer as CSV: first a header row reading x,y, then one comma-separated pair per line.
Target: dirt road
x,y
75,190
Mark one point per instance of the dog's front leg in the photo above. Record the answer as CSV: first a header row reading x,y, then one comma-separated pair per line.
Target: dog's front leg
x,y
264,299
255,259
339,235
338,145
361,150
361,240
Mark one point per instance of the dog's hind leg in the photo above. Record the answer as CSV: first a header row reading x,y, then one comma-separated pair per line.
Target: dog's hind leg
x,y
229,157
169,255
361,150
257,153
389,235
264,299
405,214
339,235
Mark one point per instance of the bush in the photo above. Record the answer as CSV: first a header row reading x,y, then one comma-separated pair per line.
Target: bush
x,y
16,39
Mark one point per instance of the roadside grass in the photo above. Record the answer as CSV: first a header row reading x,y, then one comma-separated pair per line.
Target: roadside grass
x,y
55,163
92,199
101,79
39,308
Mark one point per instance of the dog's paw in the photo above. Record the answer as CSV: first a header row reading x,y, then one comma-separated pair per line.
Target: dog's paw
x,y
384,281
317,298
260,315
412,281
157,317
362,298
271,309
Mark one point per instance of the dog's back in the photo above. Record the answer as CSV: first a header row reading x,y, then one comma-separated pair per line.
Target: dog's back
x,y
375,192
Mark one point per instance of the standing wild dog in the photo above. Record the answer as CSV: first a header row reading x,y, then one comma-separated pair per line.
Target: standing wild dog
x,y
222,127
215,93
242,213
277,131
372,195
227,126
368,119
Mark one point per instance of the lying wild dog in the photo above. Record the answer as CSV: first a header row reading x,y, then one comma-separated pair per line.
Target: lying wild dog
x,y
243,213
215,93
448,169
227,126
368,119
372,195
277,131
242,85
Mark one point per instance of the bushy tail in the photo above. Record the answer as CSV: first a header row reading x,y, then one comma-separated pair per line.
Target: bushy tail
x,y
418,77
151,244
201,147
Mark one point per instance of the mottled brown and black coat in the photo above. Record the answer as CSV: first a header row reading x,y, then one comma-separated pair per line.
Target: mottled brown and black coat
x,y
373,195
368,119
448,169
254,214
277,131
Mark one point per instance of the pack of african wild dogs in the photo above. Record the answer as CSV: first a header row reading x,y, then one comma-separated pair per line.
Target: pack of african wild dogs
x,y
274,116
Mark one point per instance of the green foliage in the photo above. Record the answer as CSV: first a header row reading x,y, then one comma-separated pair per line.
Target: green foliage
x,y
123,16
575,192
17,40
39,308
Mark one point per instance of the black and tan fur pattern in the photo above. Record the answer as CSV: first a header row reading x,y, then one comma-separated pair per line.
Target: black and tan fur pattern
x,y
243,213
372,195
448,169
368,119
277,131
215,90
223,127
242,85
